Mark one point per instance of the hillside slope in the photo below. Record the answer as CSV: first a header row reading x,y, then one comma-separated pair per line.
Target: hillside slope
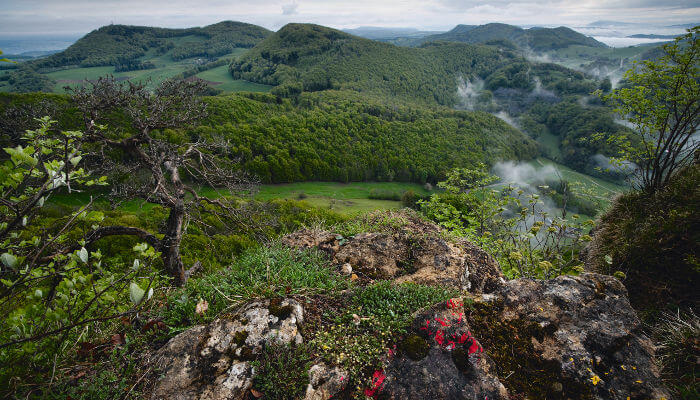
x,y
312,58
538,39
330,136
117,44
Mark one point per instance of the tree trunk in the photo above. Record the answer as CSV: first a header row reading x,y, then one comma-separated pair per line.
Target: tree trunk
x,y
170,250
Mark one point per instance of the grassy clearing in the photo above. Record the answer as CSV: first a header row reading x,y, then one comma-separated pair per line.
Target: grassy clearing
x,y
165,68
228,84
344,198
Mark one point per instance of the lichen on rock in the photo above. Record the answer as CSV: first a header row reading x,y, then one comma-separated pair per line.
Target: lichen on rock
x,y
213,361
413,251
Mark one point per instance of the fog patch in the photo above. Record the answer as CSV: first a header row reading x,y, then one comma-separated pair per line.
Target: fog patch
x,y
539,91
621,167
507,119
468,92
624,122
528,179
524,174
533,56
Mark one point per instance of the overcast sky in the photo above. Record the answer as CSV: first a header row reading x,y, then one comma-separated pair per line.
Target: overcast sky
x,y
81,16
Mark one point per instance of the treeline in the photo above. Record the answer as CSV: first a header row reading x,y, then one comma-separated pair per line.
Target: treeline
x,y
134,65
342,136
24,79
339,136
112,44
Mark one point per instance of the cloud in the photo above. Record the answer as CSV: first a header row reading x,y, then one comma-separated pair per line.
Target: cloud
x,y
290,9
81,16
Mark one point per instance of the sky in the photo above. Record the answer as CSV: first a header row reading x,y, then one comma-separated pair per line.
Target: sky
x,y
69,17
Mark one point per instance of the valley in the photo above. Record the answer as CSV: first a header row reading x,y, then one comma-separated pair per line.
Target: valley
x,y
306,206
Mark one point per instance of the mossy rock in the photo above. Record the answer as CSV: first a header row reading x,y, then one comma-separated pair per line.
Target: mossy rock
x,y
278,310
415,347
509,344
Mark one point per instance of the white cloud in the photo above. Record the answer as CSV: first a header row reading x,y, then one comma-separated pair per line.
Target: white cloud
x,y
290,9
51,16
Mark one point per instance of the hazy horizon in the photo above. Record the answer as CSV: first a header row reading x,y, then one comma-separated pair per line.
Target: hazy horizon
x,y
77,17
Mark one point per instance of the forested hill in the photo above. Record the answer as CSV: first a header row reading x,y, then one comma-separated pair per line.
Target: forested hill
x,y
538,39
118,44
325,136
312,58
303,57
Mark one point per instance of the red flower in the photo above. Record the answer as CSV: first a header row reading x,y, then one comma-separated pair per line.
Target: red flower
x,y
377,382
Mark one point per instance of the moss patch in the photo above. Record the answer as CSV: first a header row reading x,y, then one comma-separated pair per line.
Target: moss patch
x,y
240,337
509,344
278,310
415,347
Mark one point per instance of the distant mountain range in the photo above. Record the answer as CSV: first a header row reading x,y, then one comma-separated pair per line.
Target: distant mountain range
x,y
539,39
381,33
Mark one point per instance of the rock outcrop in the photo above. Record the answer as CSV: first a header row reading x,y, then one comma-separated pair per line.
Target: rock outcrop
x,y
440,359
566,338
213,362
572,337
412,250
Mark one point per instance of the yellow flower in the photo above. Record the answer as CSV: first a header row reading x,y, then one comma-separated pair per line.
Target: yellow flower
x,y
595,379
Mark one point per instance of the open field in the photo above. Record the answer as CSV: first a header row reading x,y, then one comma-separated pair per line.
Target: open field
x,y
166,68
225,81
344,198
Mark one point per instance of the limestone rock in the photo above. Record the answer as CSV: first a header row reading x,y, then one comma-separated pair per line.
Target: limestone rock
x,y
213,362
413,251
325,382
574,337
440,359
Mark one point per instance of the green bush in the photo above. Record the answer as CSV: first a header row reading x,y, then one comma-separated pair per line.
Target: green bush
x,y
653,239
385,194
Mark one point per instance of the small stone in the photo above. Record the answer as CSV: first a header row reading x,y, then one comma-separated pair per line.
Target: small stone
x,y
346,269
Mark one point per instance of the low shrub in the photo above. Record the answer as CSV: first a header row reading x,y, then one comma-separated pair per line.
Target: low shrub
x,y
282,371
263,272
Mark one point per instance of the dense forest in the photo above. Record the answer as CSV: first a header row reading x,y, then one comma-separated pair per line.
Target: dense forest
x,y
312,58
340,136
538,39
302,57
113,44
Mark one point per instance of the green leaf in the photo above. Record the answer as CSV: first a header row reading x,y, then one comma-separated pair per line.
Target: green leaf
x,y
136,293
608,259
83,254
9,260
75,160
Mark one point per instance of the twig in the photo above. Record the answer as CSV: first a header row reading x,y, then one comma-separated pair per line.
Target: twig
x,y
137,382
